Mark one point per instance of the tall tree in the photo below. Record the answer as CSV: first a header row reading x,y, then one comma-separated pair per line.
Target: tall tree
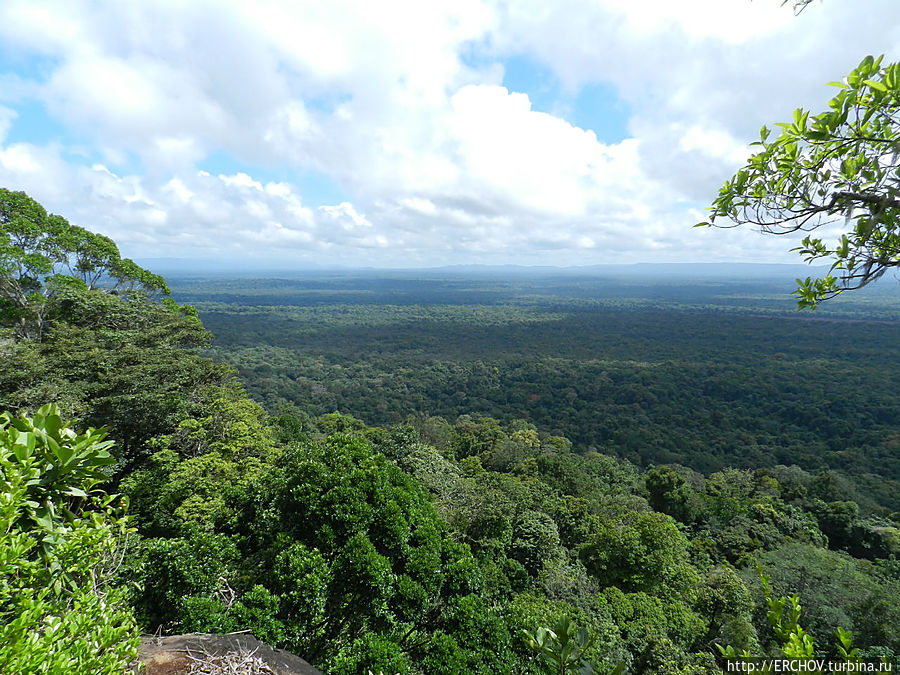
x,y
41,253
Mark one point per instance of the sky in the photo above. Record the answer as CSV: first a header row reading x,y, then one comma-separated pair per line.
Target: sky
x,y
323,133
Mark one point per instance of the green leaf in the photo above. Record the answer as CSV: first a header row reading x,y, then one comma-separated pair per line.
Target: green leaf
x,y
875,85
20,424
52,424
22,452
62,452
43,520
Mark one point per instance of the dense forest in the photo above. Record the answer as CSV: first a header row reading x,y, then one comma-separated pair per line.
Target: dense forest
x,y
602,470
664,371
528,482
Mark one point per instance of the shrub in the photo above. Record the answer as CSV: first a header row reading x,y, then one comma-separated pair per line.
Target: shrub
x,y
58,539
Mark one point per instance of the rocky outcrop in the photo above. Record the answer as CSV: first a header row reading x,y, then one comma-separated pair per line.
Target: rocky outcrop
x,y
231,654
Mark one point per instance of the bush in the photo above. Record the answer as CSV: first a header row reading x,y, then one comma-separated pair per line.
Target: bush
x,y
58,539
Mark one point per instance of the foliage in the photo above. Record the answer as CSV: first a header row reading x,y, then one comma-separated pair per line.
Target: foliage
x,y
166,575
59,536
726,603
342,559
784,617
841,163
427,545
562,647
845,647
836,589
656,631
61,468
114,360
36,250
697,386
535,540
670,494
199,475
642,552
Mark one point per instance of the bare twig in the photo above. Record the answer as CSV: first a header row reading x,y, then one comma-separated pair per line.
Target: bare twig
x,y
241,662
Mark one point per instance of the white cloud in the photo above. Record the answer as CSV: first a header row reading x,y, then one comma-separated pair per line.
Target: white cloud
x,y
425,207
526,158
20,159
344,216
729,21
436,158
7,115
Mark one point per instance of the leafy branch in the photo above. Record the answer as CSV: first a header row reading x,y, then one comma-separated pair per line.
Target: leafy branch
x,y
840,165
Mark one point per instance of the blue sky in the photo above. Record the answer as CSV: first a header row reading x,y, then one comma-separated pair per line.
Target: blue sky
x,y
407,133
594,106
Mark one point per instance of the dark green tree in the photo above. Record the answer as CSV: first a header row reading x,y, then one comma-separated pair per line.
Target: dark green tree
x,y
670,494
120,361
535,540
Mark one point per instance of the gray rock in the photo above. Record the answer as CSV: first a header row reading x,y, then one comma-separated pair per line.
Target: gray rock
x,y
177,654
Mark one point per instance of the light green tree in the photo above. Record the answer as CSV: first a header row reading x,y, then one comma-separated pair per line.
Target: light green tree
x,y
563,647
842,164
59,536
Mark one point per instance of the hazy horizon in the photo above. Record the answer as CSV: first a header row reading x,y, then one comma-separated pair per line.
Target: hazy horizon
x,y
225,265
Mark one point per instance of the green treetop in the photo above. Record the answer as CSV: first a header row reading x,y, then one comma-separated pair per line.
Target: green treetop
x,y
40,254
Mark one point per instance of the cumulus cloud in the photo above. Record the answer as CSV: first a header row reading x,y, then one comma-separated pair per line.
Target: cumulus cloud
x,y
402,105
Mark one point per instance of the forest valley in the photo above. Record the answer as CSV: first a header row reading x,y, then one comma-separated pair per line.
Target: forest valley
x,y
557,484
